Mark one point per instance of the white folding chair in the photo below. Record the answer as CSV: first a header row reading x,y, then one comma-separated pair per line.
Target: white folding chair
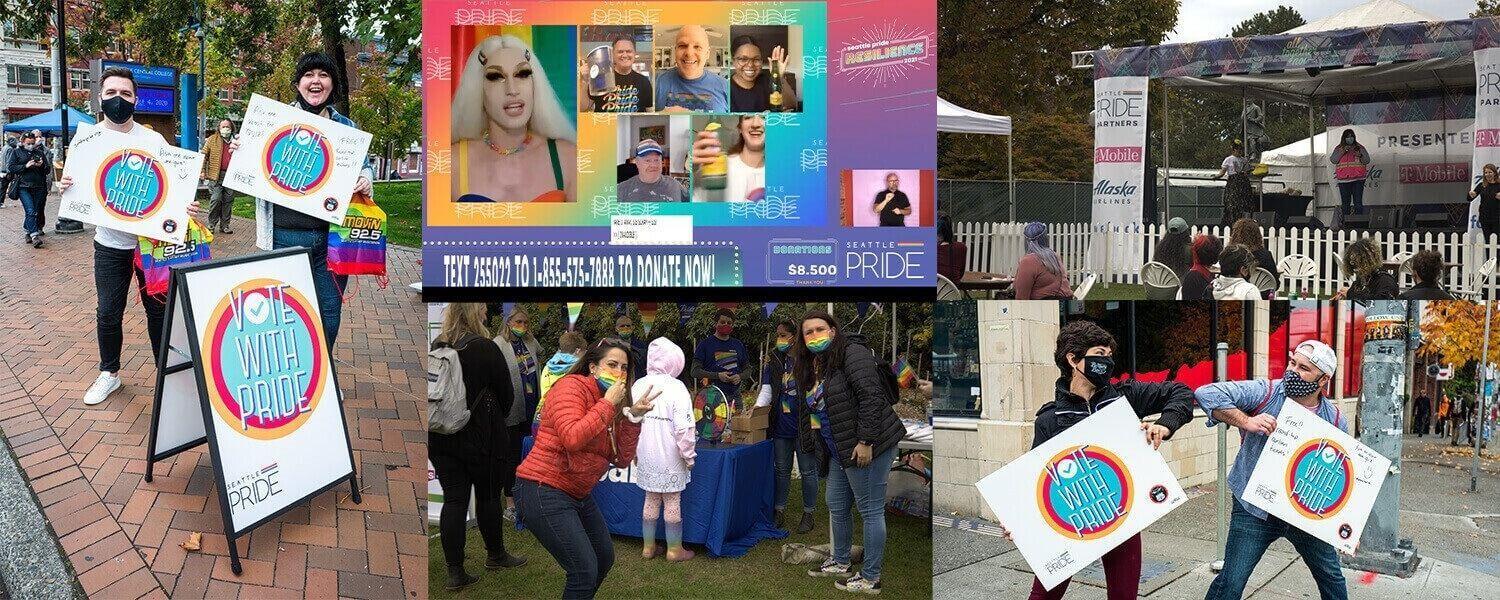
x,y
1083,288
1298,268
946,291
1160,281
1263,280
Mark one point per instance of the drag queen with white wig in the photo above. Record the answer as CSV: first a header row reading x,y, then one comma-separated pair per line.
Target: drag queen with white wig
x,y
512,140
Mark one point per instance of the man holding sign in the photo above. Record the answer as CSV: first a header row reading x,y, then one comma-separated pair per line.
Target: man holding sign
x,y
114,250
1084,357
1253,406
314,84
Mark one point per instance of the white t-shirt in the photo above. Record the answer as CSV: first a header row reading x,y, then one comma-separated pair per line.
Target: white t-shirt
x,y
659,466
742,183
1235,164
114,238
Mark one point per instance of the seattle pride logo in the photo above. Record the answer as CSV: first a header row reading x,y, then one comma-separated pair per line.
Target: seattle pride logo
x,y
1084,492
131,184
265,359
298,160
1319,478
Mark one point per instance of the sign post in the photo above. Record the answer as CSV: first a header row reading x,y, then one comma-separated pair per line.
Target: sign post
x,y
246,368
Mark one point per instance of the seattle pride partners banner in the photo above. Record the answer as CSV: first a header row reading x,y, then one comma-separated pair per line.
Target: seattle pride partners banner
x,y
1486,120
1119,163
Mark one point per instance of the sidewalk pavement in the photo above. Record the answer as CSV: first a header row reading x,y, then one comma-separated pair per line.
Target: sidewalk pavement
x,y
86,464
1456,533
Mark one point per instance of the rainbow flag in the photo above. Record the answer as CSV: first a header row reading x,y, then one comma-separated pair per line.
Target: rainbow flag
x,y
904,374
648,316
574,309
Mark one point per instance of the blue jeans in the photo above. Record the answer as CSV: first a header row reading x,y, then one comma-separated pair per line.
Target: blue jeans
x,y
1352,192
785,448
330,287
34,200
572,531
862,488
1248,539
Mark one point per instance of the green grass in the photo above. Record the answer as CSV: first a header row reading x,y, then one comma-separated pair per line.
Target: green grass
x,y
401,201
907,572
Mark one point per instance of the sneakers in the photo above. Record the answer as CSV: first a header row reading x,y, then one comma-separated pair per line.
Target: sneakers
x,y
829,568
510,513
35,239
859,585
807,523
105,385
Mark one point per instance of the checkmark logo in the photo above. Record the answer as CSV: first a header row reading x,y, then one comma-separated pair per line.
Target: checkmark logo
x,y
257,308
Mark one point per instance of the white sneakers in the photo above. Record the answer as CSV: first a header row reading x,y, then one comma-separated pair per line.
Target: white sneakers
x,y
105,385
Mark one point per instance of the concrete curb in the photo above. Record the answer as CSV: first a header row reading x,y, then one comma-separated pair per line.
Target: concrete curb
x,y
32,563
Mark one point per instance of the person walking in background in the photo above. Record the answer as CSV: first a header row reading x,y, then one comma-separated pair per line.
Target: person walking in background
x,y
1252,407
780,392
1235,266
1040,274
522,352
1351,164
1237,191
465,461
1246,232
1366,262
1175,248
29,169
1440,427
6,177
590,423
1197,285
1427,271
952,255
666,449
215,162
1421,414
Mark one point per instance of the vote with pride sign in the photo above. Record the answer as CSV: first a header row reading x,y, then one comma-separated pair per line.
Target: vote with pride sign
x,y
133,184
297,160
1082,493
1317,478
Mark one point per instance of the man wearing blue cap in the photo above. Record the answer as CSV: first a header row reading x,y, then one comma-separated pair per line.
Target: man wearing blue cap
x,y
650,185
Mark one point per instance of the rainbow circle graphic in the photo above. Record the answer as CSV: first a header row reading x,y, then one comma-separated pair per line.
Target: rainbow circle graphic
x,y
131,184
1319,478
264,343
1084,492
297,160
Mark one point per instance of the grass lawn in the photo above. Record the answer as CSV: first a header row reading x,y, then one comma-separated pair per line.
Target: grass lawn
x,y
907,572
401,201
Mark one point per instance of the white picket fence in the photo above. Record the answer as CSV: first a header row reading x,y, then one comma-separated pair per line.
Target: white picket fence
x,y
997,247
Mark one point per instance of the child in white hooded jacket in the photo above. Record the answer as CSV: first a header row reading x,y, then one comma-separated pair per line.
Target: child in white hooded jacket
x,y
665,451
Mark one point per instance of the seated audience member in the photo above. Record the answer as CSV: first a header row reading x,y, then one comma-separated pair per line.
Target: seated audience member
x,y
1366,262
1196,284
1427,270
1040,274
1247,233
952,254
1235,265
1175,248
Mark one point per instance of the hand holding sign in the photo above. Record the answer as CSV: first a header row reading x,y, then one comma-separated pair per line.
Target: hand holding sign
x,y
130,183
298,160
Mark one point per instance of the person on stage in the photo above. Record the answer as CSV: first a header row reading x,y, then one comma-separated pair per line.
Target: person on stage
x,y
665,452
1351,165
590,423
1488,193
1252,407
512,142
1237,192
750,85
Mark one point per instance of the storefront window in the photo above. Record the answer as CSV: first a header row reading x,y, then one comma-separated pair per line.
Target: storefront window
x,y
955,359
1170,341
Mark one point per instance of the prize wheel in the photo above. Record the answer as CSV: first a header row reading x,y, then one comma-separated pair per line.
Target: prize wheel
x,y
711,412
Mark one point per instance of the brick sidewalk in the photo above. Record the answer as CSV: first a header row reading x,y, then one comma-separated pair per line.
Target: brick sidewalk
x,y
86,464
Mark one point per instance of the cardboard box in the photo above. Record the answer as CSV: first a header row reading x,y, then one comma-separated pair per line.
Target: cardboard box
x,y
745,437
751,420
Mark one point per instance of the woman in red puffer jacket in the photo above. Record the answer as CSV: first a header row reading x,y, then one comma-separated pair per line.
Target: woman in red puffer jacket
x,y
588,423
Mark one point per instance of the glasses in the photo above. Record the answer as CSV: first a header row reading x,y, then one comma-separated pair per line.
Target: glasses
x,y
746,60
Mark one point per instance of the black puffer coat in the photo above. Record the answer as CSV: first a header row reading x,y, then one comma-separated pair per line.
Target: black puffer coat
x,y
1172,400
859,404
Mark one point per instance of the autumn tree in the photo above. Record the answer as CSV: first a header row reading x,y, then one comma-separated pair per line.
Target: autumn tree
x,y
1453,332
391,113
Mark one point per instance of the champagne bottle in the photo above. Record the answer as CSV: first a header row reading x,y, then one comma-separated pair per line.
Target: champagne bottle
x,y
776,84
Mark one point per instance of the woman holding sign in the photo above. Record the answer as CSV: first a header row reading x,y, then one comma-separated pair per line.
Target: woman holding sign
x,y
1083,355
317,89
589,422
853,431
505,101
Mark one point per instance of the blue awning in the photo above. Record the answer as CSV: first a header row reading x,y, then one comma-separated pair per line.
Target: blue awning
x,y
50,122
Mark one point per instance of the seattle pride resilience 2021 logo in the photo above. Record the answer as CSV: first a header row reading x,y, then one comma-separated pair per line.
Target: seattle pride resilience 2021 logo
x,y
131,184
1319,478
1084,492
298,160
264,352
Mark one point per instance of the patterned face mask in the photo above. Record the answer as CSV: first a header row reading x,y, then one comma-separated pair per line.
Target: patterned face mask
x,y
819,342
1296,386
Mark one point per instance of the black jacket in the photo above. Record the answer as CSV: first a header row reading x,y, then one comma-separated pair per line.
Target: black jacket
x,y
487,385
1380,286
1424,291
28,177
859,407
775,369
1172,400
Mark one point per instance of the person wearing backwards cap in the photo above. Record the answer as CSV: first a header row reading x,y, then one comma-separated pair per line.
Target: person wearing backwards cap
x,y
1252,406
650,185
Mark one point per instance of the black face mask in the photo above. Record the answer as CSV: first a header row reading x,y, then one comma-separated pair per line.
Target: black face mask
x,y
310,107
117,109
1097,369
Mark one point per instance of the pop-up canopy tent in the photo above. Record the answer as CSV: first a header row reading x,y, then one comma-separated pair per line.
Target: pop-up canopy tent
x,y
50,122
1379,46
957,119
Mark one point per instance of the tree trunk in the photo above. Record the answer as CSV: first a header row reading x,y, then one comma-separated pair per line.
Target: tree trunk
x,y
331,22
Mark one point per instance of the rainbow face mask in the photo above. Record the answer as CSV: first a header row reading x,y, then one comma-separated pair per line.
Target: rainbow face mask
x,y
624,332
518,331
782,343
819,342
607,378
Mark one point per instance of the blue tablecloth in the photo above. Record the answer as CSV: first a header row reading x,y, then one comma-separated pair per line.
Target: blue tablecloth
x,y
727,506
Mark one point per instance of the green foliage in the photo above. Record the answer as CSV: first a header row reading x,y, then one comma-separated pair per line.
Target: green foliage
x,y
1269,22
391,113
1486,8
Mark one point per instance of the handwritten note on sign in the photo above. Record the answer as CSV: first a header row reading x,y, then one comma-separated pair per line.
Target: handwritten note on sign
x,y
1082,493
135,184
1317,478
297,160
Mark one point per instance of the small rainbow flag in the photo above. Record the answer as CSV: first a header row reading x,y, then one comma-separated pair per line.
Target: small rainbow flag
x,y
574,309
648,316
904,374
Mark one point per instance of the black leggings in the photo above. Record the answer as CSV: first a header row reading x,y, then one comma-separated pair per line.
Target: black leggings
x,y
457,475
